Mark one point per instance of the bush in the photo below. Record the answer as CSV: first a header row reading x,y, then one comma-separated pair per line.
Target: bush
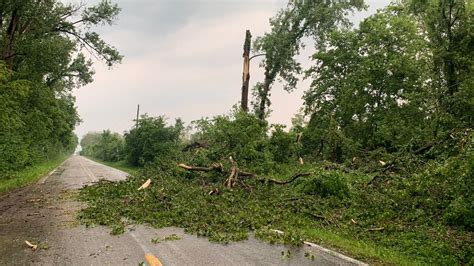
x,y
325,184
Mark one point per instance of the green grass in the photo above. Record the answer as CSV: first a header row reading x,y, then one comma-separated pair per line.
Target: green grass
x,y
120,165
29,175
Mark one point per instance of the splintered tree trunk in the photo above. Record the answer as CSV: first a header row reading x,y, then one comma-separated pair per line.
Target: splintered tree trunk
x,y
246,72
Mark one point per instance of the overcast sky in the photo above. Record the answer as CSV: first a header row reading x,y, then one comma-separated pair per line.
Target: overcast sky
x,y
182,58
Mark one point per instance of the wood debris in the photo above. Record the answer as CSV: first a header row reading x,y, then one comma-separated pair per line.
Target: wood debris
x,y
145,185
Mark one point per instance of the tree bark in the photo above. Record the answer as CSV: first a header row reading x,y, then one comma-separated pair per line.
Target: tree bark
x,y
264,97
8,53
246,72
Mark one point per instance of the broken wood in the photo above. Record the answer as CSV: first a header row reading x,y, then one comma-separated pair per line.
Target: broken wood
x,y
145,185
214,167
32,246
234,172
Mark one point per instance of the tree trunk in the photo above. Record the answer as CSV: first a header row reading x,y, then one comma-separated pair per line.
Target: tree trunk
x,y
264,98
8,53
246,72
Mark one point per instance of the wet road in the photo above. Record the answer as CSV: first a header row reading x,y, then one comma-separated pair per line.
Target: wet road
x,y
45,214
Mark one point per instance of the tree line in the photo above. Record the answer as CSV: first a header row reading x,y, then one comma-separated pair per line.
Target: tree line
x,y
45,48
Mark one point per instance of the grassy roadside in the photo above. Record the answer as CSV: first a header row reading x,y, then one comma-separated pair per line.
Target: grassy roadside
x,y
120,165
30,174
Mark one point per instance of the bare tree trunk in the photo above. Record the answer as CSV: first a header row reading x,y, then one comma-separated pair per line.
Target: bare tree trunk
x,y
246,72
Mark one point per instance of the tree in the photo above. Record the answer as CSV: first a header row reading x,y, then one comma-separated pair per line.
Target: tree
x,y
369,86
151,138
42,57
59,31
449,27
314,19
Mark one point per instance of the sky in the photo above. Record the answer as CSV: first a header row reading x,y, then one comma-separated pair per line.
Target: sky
x,y
183,58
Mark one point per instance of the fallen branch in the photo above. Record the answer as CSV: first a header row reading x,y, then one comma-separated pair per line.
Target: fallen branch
x,y
214,167
32,246
235,172
284,182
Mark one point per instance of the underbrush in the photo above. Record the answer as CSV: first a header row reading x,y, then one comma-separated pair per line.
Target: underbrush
x,y
421,218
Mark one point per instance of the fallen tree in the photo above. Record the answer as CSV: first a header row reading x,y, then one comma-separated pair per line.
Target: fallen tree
x,y
235,172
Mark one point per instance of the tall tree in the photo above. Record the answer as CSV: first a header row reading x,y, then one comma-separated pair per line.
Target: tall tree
x,y
369,83
314,19
449,27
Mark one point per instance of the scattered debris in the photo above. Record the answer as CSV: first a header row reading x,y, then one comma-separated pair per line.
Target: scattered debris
x,y
171,237
145,185
34,200
33,247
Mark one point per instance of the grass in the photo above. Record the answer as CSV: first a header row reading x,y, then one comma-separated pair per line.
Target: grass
x,y
29,175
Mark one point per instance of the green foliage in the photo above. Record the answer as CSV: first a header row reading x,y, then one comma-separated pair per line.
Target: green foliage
x,y
41,61
240,135
152,138
313,19
105,146
35,124
282,145
326,184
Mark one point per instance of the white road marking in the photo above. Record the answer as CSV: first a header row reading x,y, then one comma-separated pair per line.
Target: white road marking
x,y
328,251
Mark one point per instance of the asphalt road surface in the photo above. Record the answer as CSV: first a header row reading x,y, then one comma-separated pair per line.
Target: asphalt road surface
x,y
45,215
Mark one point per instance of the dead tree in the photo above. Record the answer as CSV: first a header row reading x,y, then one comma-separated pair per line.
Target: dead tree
x,y
246,72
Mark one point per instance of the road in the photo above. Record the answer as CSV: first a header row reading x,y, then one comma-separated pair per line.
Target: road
x,y
45,214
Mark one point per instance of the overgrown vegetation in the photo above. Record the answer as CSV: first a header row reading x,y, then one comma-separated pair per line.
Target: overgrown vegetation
x,y
380,164
41,61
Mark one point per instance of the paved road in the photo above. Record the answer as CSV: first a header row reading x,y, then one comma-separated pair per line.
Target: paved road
x,y
45,213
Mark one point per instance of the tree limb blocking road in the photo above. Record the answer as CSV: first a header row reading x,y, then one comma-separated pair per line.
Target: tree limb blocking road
x,y
44,214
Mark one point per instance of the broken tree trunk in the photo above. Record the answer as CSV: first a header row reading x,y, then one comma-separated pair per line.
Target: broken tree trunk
x,y
234,173
246,72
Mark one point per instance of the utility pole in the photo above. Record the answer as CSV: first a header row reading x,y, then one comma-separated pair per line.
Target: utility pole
x,y
138,114
246,72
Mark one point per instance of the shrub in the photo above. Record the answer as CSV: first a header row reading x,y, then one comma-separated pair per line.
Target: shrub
x,y
325,184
